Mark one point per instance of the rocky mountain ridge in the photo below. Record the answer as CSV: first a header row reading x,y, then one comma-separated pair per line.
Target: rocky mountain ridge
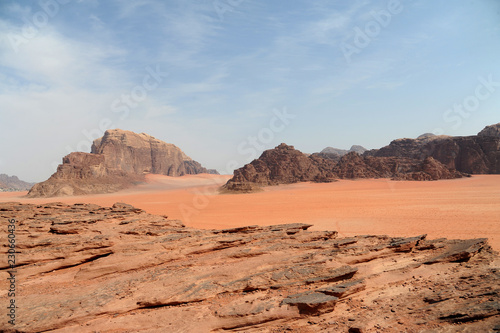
x,y
476,154
118,160
428,157
286,165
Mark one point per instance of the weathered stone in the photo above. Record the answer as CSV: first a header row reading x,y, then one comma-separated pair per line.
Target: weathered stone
x,y
311,302
460,251
342,273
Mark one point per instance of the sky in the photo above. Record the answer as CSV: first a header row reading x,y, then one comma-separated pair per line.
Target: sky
x,y
226,79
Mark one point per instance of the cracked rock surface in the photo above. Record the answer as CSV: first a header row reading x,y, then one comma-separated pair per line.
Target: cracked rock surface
x,y
86,268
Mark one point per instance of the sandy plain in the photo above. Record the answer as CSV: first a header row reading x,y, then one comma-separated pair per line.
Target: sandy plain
x,y
456,209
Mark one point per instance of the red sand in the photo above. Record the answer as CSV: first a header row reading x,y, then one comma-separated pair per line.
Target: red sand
x,y
461,208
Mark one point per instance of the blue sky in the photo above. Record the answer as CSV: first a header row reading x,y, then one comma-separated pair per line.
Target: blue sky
x,y
211,76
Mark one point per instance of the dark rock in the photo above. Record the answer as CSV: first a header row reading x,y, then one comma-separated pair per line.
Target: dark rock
x,y
311,302
282,165
285,165
478,154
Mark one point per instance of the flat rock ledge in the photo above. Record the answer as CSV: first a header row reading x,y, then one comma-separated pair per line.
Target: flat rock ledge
x,y
86,268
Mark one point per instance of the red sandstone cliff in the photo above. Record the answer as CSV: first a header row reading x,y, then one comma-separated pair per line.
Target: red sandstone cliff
x,y
118,160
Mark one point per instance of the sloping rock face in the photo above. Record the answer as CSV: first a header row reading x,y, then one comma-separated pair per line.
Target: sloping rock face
x,y
286,165
13,183
478,154
86,268
118,160
83,173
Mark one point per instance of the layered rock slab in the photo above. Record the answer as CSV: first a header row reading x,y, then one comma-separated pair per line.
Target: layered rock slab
x,y
85,268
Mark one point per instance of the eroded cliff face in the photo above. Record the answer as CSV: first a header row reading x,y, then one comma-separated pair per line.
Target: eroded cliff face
x,y
141,153
477,154
118,160
286,165
86,268
83,173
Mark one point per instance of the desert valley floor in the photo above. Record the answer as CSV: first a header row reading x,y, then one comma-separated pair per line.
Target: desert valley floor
x,y
460,208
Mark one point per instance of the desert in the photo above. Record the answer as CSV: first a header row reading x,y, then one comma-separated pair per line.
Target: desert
x,y
457,209
136,236
217,166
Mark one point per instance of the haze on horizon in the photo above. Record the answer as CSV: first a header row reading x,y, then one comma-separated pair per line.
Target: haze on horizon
x,y
210,75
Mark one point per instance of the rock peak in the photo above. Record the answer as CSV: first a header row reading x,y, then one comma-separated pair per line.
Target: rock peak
x,y
284,146
491,130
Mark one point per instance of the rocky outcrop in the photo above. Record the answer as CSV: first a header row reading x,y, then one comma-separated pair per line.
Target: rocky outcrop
x,y
286,165
492,131
282,165
86,268
478,154
118,160
13,183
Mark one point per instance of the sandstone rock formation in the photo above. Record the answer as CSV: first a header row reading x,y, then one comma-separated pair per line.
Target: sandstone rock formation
x,y
478,154
118,160
83,173
282,165
141,153
286,165
13,183
86,268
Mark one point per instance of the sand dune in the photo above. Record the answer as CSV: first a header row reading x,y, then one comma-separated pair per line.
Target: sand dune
x,y
461,208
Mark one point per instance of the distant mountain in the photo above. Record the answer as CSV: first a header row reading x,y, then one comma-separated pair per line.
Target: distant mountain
x,y
12,183
118,160
335,153
356,148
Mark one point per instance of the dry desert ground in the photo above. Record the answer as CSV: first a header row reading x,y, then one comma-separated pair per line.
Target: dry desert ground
x,y
457,209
